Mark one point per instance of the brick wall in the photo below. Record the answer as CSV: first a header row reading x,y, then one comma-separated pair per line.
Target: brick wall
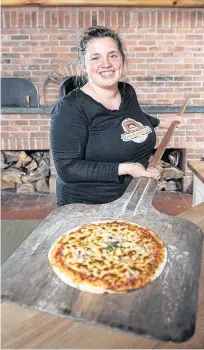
x,y
165,53
164,47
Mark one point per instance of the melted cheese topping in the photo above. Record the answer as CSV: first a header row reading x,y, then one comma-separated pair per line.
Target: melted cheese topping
x,y
114,252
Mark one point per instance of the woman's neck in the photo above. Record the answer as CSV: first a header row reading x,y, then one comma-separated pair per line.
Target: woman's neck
x,y
109,97
108,93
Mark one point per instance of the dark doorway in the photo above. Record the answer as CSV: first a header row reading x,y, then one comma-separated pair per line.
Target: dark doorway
x,y
70,83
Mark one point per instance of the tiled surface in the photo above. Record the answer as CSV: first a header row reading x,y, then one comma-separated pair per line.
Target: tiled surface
x,y
26,206
13,234
172,203
38,206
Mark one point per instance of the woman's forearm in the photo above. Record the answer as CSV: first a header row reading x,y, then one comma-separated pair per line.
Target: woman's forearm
x,y
165,123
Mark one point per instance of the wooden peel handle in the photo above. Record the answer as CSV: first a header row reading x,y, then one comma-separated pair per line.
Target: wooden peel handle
x,y
160,150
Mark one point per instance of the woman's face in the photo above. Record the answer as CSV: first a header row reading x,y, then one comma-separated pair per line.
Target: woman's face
x,y
103,62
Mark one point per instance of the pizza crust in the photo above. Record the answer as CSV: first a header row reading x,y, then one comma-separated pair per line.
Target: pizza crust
x,y
69,279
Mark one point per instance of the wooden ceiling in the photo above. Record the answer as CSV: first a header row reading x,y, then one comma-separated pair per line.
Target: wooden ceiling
x,y
111,3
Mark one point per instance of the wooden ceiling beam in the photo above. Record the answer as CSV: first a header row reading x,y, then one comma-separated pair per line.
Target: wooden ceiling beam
x,y
111,3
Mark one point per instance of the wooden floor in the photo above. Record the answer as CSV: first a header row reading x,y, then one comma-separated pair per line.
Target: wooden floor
x,y
28,329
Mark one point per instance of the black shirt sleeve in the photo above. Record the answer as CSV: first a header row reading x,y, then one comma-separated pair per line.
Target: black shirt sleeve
x,y
154,121
68,136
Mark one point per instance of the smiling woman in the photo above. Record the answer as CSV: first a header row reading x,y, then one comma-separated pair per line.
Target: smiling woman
x,y
102,60
100,137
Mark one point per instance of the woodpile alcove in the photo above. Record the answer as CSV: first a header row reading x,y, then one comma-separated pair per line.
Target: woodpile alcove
x,y
25,171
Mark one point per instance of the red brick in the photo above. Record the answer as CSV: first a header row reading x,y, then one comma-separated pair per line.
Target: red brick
x,y
81,19
18,122
27,20
67,22
21,21
41,17
166,19
101,18
200,138
54,18
127,19
153,19
21,73
33,19
11,128
88,21
2,20
47,19
160,16
186,19
26,144
32,144
113,19
140,19
5,49
199,23
195,133
4,144
193,121
45,144
7,22
61,21
38,134
12,144
18,134
21,49
180,18
74,18
14,19
108,19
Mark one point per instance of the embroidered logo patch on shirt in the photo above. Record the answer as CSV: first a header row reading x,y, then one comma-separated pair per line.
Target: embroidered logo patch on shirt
x,y
134,131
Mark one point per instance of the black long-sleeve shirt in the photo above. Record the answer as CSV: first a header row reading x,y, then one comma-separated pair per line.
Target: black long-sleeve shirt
x,y
89,141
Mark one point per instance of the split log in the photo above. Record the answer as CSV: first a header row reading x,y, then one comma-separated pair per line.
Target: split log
x,y
171,173
25,188
12,175
46,157
23,160
174,158
32,165
161,185
164,164
33,176
42,186
36,155
28,170
12,156
4,164
43,168
171,186
7,184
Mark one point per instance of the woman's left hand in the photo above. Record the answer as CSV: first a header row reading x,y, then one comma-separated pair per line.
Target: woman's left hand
x,y
165,123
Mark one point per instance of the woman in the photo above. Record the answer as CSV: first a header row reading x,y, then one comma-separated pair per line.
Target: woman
x,y
100,138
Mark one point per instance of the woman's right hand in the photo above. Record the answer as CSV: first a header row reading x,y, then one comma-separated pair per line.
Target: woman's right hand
x,y
137,170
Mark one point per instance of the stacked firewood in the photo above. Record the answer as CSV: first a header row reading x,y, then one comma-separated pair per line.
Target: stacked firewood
x,y
29,171
25,171
171,174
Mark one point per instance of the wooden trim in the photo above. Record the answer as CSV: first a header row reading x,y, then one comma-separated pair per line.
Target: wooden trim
x,y
111,3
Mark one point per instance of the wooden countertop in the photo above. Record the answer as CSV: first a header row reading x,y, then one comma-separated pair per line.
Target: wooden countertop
x,y
197,168
23,328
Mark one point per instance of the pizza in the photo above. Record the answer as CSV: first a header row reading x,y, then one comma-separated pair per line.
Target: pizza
x,y
108,257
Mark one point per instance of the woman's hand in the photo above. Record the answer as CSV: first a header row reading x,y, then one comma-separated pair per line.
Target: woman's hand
x,y
153,172
165,123
137,170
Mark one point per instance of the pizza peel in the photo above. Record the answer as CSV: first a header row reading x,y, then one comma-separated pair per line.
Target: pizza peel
x,y
164,309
